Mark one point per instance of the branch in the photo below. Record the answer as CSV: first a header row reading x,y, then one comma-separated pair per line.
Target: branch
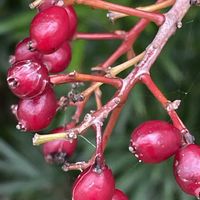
x,y
173,18
173,21
155,17
151,8
101,36
169,106
78,77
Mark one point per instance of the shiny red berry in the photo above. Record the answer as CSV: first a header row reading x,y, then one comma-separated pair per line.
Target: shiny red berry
x,y
22,52
27,79
59,151
72,20
187,169
119,195
49,29
37,113
59,60
94,184
155,141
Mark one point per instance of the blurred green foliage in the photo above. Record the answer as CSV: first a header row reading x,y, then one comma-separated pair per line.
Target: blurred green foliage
x,y
23,172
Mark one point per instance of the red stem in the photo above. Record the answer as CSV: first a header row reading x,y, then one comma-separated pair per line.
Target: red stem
x,y
155,17
111,124
101,36
77,77
146,79
99,149
130,38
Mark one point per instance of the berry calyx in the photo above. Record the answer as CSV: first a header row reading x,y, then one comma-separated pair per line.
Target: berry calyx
x,y
59,60
72,20
187,169
37,113
59,151
22,52
49,29
27,79
119,195
155,141
48,3
94,184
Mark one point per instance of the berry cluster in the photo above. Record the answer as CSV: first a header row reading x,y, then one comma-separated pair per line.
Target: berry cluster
x,y
28,78
47,50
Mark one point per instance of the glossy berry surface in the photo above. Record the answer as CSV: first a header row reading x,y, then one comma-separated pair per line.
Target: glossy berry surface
x,y
72,20
187,169
119,195
37,113
155,141
94,184
27,79
59,60
59,150
49,29
22,52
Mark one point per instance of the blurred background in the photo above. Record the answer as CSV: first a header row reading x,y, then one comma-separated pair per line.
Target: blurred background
x,y
24,175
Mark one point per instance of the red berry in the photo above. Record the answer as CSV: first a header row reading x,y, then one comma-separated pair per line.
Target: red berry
x,y
155,141
37,113
72,20
27,79
94,184
22,52
59,150
187,169
119,195
58,60
49,29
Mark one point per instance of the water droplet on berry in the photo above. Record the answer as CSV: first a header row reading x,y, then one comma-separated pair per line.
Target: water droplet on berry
x,y
14,109
131,149
20,127
136,156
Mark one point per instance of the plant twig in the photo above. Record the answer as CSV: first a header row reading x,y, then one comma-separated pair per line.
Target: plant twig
x,y
155,17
